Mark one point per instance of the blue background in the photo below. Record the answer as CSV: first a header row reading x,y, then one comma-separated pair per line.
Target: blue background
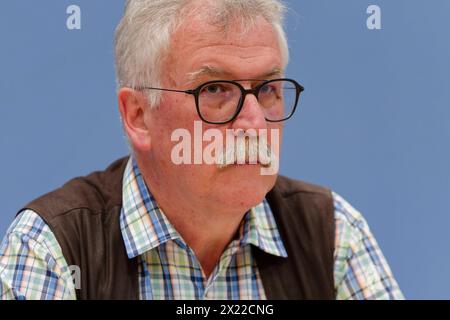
x,y
372,124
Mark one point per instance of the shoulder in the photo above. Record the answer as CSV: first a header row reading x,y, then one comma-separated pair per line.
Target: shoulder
x,y
29,226
361,270
93,193
350,223
32,265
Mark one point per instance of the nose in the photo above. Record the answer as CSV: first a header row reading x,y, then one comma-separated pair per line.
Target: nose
x,y
251,115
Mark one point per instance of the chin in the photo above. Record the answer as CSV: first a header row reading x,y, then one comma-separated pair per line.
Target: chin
x,y
245,186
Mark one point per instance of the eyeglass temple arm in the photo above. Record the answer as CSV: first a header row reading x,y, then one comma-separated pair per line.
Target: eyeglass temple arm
x,y
170,90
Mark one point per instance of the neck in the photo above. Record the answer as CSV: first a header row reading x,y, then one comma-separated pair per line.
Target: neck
x,y
207,232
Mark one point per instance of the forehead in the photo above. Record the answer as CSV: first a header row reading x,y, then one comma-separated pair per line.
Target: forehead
x,y
197,44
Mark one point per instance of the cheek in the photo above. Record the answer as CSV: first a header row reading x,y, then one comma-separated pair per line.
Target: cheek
x,y
171,114
177,111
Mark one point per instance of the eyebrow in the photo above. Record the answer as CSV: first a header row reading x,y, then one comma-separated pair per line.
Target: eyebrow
x,y
213,72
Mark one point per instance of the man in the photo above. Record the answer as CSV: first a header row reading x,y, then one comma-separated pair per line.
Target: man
x,y
152,227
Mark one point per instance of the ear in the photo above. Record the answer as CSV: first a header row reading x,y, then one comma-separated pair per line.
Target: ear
x,y
132,108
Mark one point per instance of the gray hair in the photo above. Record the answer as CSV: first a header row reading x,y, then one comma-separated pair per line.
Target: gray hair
x,y
143,35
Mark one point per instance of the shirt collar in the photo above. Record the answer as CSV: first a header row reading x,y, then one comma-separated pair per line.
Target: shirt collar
x,y
144,225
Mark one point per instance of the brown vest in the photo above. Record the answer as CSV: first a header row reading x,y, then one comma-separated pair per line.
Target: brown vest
x,y
84,217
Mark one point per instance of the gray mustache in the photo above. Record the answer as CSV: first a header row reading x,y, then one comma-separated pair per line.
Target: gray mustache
x,y
252,151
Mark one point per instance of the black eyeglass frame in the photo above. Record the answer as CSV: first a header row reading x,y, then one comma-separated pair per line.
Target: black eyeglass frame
x,y
255,91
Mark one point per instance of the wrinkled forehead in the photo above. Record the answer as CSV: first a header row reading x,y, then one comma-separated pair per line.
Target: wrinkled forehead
x,y
199,47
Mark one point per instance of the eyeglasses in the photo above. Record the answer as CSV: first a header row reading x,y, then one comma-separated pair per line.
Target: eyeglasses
x,y
220,101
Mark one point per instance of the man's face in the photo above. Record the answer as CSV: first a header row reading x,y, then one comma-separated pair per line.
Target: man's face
x,y
232,55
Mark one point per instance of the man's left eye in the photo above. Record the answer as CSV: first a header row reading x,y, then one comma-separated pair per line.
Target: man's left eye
x,y
214,88
267,89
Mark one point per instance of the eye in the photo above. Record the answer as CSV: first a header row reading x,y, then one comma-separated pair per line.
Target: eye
x,y
268,88
213,88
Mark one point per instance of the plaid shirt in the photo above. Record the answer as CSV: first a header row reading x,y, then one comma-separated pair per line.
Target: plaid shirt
x,y
32,265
